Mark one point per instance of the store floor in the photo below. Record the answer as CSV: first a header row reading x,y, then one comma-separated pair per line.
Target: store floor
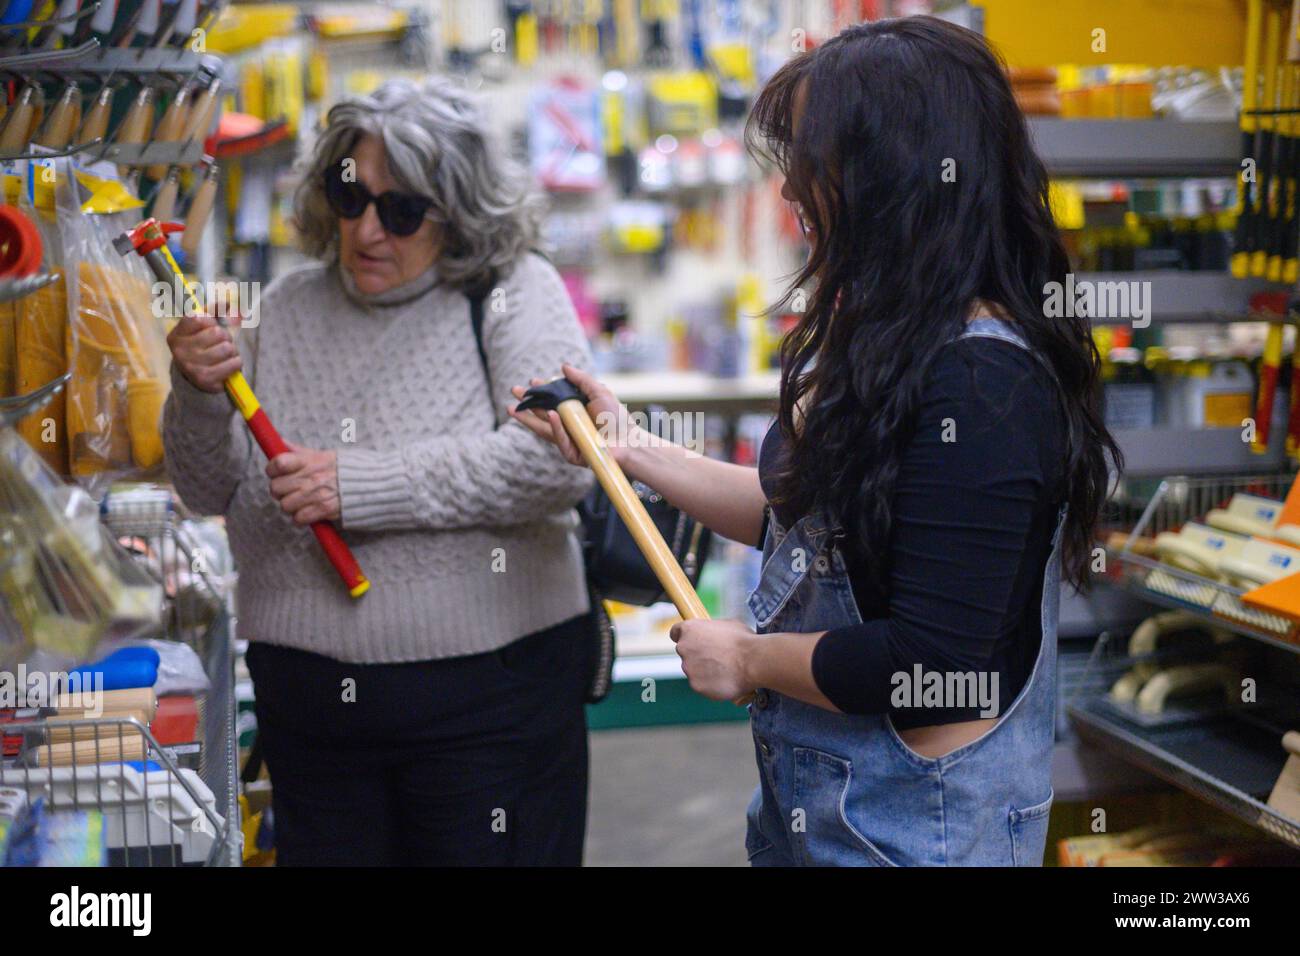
x,y
670,796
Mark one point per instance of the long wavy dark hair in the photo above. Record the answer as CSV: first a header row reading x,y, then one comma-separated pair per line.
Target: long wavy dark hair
x,y
900,253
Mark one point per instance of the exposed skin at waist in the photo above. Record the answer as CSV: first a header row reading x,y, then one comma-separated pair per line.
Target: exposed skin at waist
x,y
940,739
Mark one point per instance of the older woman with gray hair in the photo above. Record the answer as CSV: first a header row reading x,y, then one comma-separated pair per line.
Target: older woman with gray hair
x,y
438,719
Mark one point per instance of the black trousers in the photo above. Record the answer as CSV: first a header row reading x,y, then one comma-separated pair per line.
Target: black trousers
x,y
478,760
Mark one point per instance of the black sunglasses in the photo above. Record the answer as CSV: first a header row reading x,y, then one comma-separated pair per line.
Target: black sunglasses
x,y
400,213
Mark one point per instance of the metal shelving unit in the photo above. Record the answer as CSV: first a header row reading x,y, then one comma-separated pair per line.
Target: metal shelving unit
x,y
1178,296
1157,452
1137,148
1228,763
1230,757
1174,502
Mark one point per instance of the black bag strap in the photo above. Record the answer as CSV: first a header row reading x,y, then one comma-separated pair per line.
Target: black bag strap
x,y
476,317
477,295
476,298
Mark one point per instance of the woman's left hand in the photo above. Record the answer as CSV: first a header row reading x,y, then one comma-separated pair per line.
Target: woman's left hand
x,y
306,483
713,656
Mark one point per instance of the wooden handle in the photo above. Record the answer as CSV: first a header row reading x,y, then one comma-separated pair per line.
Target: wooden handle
x,y
648,539
164,201
96,122
135,127
573,413
200,118
62,121
170,127
18,124
200,209
109,748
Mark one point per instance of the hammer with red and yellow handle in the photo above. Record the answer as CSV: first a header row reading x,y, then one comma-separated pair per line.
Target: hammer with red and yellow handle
x,y
567,400
149,241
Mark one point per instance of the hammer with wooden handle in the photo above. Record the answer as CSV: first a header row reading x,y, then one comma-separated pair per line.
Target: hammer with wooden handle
x,y
567,400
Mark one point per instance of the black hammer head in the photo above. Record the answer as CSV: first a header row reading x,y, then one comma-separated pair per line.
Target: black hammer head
x,y
550,394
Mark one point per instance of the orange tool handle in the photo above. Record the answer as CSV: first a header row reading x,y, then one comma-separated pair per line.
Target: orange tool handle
x,y
338,553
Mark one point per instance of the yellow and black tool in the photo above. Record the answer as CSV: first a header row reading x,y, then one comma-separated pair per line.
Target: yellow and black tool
x,y
1283,197
1247,179
1265,204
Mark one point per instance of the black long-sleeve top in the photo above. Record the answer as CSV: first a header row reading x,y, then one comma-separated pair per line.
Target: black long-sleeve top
x,y
975,508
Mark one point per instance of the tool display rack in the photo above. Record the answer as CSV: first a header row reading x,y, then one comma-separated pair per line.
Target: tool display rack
x,y
91,62
1232,757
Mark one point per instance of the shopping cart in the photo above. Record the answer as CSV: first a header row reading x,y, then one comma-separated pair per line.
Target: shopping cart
x,y
158,805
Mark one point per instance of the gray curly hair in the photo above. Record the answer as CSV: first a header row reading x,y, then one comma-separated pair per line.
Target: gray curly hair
x,y
440,146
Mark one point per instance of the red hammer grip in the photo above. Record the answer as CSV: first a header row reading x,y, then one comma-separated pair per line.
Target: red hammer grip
x,y
338,553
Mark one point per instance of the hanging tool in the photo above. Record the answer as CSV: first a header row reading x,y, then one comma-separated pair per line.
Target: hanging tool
x,y
563,397
203,109
62,120
135,126
164,200
1293,415
523,23
100,26
1247,181
1264,204
1272,306
95,125
18,122
1284,179
170,127
1288,229
200,209
141,24
149,240
61,25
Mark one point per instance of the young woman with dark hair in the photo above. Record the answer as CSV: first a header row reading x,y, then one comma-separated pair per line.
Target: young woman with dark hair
x,y
935,470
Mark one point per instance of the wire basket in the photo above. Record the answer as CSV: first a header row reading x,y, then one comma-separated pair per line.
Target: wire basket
x,y
159,805
1176,501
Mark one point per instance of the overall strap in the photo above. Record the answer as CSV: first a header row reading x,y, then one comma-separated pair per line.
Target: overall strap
x,y
989,327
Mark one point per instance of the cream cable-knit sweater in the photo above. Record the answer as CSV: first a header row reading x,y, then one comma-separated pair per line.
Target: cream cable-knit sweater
x,y
467,534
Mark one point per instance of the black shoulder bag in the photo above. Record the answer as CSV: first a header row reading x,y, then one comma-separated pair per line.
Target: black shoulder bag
x,y
616,569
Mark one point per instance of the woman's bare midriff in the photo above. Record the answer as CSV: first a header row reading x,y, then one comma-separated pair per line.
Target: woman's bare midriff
x,y
943,739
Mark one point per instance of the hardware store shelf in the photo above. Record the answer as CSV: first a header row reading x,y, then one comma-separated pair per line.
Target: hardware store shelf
x,y
1135,570
1225,761
1154,452
91,61
1137,148
1181,296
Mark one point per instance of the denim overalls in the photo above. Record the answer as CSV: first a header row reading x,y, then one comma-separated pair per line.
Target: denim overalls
x,y
843,790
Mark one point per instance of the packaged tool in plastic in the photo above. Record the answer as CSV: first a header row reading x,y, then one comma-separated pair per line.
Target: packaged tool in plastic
x,y
64,584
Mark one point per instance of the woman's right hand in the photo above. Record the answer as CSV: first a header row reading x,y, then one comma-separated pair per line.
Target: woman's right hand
x,y
609,414
204,352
